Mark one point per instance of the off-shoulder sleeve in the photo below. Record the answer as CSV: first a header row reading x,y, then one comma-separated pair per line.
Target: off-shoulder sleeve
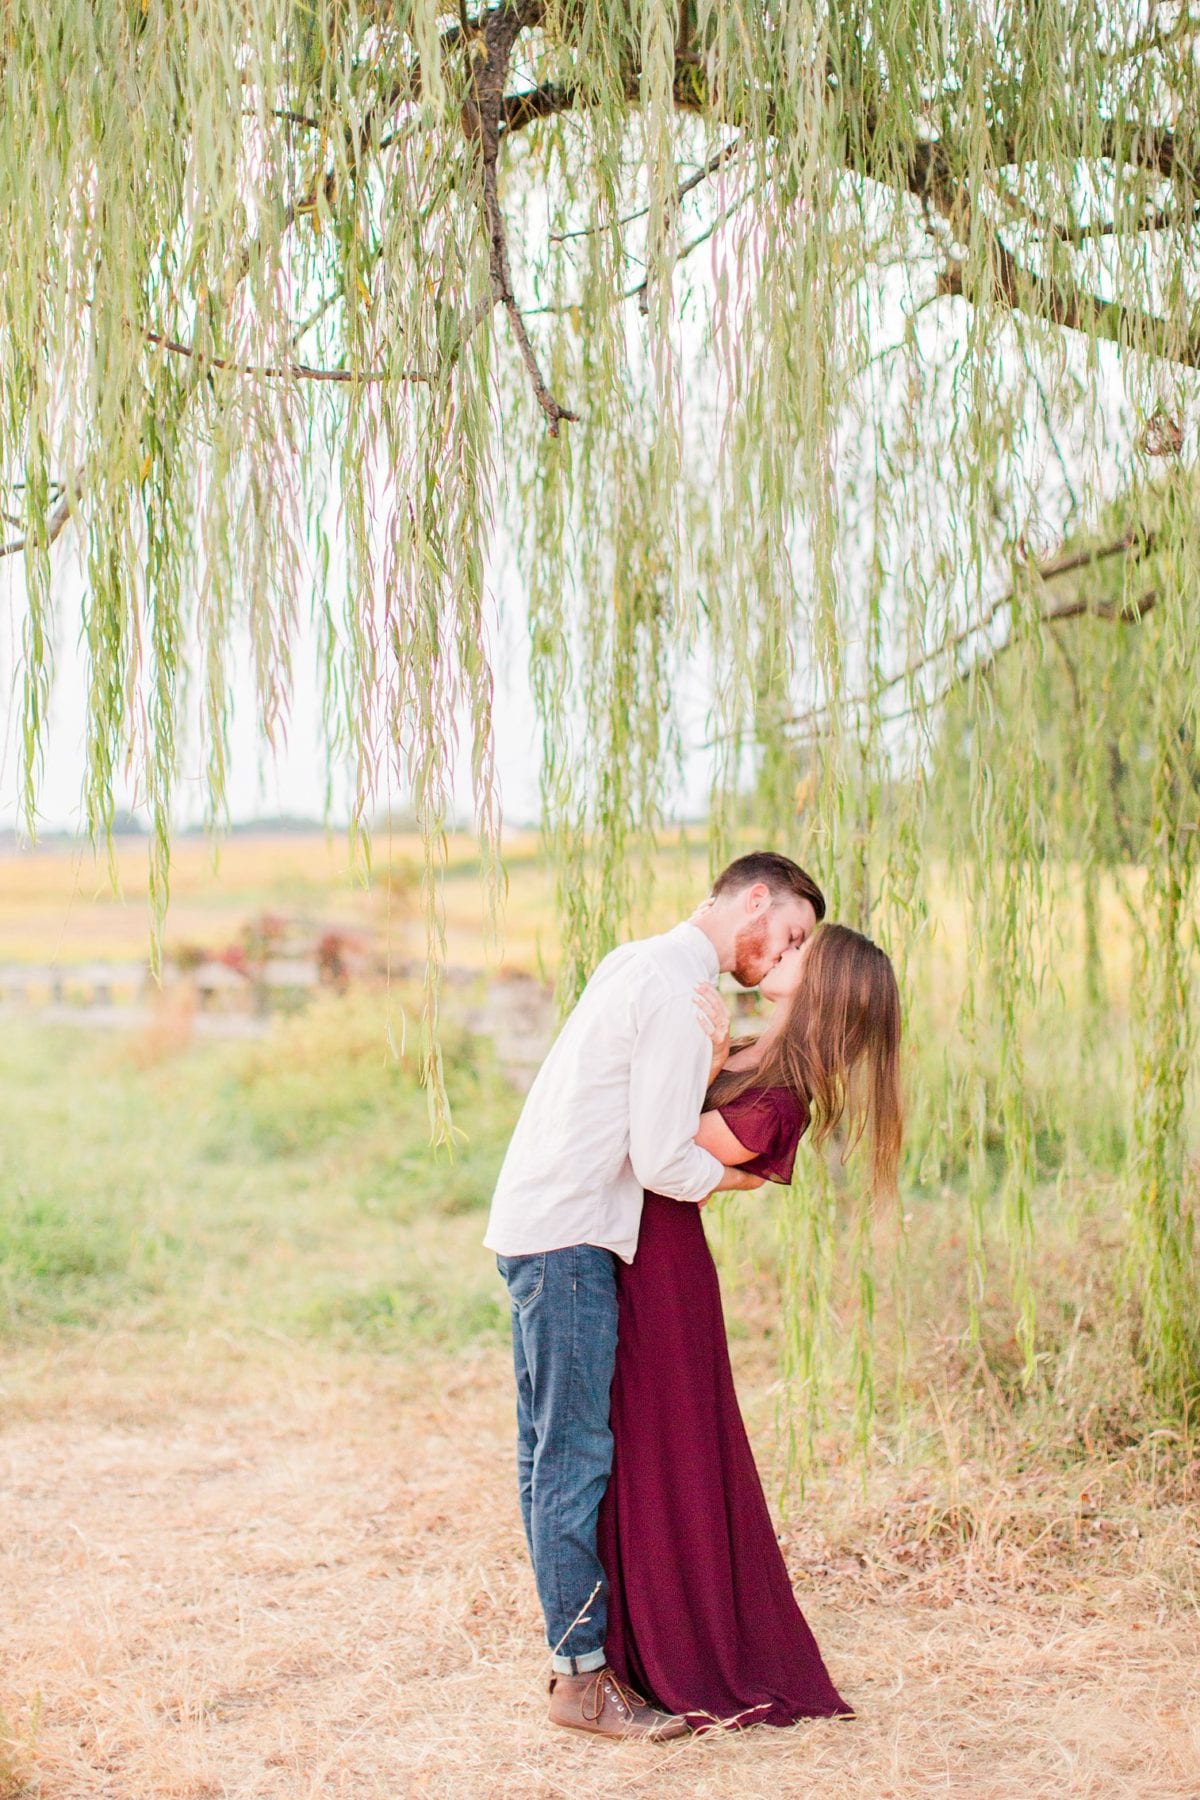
x,y
771,1122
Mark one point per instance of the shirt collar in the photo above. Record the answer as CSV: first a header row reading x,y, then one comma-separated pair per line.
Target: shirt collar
x,y
702,945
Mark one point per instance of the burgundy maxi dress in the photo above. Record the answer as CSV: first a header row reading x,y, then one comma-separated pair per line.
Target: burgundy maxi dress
x,y
701,1615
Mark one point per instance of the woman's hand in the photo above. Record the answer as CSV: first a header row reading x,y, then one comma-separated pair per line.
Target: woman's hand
x,y
714,1019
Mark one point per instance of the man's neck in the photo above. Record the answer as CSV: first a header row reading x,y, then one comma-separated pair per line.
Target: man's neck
x,y
707,925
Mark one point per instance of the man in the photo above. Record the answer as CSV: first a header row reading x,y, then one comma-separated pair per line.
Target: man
x,y
613,1112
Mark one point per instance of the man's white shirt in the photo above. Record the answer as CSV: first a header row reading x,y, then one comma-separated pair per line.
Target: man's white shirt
x,y
614,1108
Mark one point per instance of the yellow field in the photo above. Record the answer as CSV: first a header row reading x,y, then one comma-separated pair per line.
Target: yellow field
x,y
58,904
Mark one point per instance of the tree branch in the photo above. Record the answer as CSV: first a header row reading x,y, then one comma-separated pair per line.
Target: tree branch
x,y
285,113
1162,219
56,523
1058,566
544,102
558,308
1133,225
1132,613
715,162
481,121
641,291
1062,303
283,371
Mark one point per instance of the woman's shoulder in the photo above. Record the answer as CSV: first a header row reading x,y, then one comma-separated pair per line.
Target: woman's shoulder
x,y
782,1105
766,1090
785,1100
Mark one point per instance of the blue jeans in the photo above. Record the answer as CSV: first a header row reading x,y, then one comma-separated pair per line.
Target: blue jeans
x,y
564,1322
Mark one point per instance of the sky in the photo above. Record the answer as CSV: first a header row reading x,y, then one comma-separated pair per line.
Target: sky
x,y
291,783
261,783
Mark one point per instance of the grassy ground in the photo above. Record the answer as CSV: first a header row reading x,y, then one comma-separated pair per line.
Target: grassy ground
x,y
261,1536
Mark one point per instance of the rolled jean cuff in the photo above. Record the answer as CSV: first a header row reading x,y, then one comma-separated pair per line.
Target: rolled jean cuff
x,y
585,1664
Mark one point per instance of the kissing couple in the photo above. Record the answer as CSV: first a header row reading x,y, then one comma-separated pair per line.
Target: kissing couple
x,y
667,1603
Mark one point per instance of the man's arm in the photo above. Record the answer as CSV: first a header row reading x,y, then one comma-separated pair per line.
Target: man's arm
x,y
738,1181
734,1181
667,1077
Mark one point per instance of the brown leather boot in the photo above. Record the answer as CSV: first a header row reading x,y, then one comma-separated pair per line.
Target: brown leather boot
x,y
599,1702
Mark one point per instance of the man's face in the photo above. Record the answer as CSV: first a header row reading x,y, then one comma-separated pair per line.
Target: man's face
x,y
775,925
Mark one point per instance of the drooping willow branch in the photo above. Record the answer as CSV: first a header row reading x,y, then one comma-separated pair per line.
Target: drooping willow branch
x,y
1129,612
1141,544
289,274
930,173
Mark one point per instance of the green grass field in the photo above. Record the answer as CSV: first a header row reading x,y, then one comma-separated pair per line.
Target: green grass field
x,y
158,1193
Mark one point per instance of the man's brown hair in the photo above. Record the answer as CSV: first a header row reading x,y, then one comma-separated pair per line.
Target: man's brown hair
x,y
778,873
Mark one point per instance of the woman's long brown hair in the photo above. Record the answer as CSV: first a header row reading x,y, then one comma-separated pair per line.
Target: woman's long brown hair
x,y
839,1049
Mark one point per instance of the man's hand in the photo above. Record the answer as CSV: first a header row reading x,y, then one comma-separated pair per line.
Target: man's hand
x,y
714,1020
735,1181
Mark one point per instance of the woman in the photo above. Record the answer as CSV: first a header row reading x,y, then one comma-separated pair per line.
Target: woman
x,y
701,1616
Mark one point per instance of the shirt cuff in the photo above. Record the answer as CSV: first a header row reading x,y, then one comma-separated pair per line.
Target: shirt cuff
x,y
716,1174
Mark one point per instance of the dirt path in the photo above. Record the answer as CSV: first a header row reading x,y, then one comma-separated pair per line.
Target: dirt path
x,y
301,1576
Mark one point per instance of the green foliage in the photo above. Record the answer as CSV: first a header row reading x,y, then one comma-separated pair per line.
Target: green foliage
x,y
1094,682
397,1317
781,341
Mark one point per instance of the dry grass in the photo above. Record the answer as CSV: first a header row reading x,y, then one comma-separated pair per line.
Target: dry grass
x,y
274,1571
238,1564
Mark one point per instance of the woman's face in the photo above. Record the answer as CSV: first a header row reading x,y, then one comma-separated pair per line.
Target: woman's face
x,y
783,977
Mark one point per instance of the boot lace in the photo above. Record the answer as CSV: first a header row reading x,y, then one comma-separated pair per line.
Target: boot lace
x,y
592,1703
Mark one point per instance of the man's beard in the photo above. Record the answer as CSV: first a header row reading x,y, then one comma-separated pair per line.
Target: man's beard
x,y
750,959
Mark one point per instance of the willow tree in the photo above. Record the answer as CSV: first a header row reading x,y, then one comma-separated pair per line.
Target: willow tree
x,y
778,341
